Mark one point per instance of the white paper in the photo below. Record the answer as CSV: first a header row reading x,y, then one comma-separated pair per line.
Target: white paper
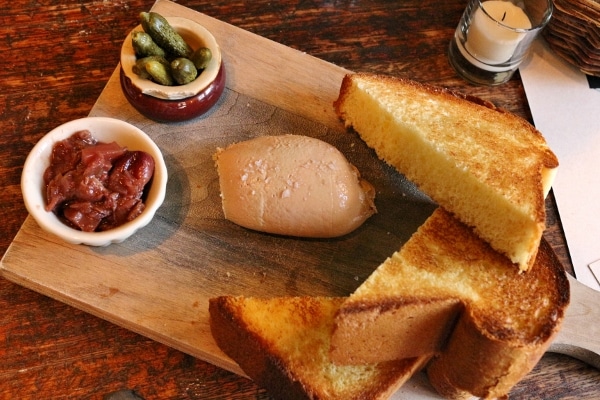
x,y
595,268
567,112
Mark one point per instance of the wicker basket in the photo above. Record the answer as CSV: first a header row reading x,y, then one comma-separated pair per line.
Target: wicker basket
x,y
574,33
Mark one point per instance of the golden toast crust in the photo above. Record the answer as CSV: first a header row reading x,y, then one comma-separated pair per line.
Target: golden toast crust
x,y
489,167
505,325
283,345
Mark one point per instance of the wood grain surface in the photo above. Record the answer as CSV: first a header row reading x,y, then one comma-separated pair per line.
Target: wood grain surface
x,y
62,54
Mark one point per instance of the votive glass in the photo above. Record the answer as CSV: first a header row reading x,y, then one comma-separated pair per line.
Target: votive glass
x,y
494,36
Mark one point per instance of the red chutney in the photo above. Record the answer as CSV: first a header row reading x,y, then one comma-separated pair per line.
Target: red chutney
x,y
94,186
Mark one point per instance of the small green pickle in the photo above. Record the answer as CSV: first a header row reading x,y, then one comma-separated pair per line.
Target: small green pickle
x,y
144,46
183,70
145,21
201,57
139,67
159,72
164,35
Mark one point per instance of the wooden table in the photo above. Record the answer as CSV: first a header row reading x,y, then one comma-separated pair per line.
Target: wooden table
x,y
58,55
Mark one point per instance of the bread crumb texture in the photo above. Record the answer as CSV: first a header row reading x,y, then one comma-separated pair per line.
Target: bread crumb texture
x,y
507,321
445,260
488,167
291,335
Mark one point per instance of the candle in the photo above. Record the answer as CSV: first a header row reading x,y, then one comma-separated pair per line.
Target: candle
x,y
493,38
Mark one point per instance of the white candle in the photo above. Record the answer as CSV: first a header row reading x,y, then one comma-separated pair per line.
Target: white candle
x,y
493,40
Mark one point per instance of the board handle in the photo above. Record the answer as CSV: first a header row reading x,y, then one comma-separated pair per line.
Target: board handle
x,y
580,333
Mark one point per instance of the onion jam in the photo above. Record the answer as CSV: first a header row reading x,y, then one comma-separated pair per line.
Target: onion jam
x,y
94,186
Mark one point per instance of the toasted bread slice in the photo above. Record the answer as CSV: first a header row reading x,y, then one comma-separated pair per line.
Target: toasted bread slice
x,y
490,323
490,168
283,345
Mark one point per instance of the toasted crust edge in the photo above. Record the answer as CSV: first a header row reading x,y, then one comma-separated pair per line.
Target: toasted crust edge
x,y
457,373
548,160
250,352
481,357
254,356
373,330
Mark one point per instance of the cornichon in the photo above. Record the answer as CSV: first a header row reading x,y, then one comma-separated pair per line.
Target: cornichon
x,y
159,72
139,68
183,70
144,46
201,57
164,35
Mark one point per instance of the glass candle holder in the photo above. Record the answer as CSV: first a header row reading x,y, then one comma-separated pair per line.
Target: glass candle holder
x,y
494,36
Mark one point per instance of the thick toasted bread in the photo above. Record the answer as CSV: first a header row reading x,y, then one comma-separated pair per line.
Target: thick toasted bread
x,y
448,292
283,345
489,168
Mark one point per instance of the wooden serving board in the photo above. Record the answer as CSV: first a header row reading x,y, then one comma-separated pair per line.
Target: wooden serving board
x,y
158,282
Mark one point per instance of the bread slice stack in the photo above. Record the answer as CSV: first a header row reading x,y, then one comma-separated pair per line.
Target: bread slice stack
x,y
491,171
475,290
448,293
